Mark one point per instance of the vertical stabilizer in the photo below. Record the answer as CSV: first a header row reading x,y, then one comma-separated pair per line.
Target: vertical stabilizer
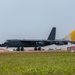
x,y
52,34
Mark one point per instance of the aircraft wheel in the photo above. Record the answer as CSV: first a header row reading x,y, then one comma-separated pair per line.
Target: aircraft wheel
x,y
39,48
22,49
18,49
35,49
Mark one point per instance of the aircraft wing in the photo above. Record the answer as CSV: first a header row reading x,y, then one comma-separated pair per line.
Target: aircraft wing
x,y
38,42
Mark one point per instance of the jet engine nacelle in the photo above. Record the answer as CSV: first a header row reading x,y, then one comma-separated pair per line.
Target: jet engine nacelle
x,y
61,43
73,42
40,43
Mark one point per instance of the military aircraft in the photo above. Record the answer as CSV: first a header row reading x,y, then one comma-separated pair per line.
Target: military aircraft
x,y
37,44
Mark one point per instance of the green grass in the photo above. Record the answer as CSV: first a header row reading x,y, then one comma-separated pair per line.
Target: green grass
x,y
37,63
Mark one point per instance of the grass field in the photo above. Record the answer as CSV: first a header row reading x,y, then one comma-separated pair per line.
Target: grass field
x,y
37,63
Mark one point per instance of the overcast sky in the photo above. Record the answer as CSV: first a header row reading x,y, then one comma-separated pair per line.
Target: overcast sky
x,y
34,19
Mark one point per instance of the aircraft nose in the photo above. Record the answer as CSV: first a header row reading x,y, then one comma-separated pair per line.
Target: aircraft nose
x,y
5,43
2,45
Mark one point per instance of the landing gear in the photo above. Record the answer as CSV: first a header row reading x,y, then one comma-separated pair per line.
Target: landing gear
x,y
20,49
37,48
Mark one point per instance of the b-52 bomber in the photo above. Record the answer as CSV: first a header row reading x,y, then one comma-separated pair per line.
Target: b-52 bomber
x,y
37,44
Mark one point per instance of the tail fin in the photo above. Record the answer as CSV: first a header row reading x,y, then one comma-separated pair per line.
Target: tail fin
x,y
70,37
52,34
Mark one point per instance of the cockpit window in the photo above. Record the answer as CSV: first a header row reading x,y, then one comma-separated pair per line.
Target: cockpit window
x,y
7,40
